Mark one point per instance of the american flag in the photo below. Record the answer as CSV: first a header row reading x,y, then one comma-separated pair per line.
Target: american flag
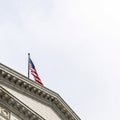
x,y
34,72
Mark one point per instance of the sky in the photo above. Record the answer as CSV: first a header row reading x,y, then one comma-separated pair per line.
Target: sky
x,y
74,45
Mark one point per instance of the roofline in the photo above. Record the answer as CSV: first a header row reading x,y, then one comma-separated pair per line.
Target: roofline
x,y
21,82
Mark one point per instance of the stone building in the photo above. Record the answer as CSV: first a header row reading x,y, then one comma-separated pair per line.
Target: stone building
x,y
23,99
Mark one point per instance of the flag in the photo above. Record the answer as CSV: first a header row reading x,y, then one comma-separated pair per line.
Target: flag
x,y
34,72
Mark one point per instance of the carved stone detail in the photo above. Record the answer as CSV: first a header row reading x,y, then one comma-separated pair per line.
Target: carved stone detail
x,y
4,112
17,106
39,93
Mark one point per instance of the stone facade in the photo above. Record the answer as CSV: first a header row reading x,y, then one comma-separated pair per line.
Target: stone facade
x,y
23,99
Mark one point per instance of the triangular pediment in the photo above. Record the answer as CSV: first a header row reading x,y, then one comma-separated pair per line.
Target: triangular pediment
x,y
13,105
23,86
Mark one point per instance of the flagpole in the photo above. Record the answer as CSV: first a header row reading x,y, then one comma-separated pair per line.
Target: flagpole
x,y
28,65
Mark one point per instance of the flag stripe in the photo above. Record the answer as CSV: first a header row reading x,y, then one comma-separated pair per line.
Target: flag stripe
x,y
34,72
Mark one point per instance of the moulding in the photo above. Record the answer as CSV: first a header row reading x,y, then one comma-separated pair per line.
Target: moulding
x,y
40,93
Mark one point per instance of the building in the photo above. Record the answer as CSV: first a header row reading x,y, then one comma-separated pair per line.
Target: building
x,y
23,99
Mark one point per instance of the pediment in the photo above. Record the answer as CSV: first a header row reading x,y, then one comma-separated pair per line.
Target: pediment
x,y
23,85
13,105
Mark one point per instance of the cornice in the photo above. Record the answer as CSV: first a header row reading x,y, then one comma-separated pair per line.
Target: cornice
x,y
40,93
16,106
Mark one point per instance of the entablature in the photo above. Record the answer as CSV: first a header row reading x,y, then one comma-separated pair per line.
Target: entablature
x,y
42,94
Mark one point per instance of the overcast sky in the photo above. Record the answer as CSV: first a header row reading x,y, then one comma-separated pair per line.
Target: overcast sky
x,y
75,46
